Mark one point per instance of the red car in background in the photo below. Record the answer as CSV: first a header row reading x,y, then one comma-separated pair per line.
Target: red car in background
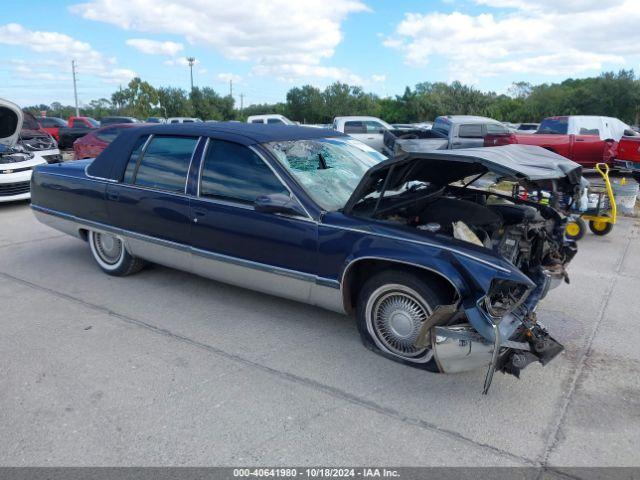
x,y
94,142
52,126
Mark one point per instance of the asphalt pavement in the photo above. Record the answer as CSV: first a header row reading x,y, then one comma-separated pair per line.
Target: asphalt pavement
x,y
167,368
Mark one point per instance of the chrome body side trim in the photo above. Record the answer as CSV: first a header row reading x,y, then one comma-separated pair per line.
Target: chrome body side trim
x,y
420,242
86,172
282,282
390,260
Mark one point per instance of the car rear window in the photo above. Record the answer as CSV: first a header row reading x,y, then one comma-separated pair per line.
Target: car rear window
x,y
442,125
557,126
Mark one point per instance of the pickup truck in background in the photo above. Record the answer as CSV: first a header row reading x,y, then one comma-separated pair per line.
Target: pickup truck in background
x,y
52,126
448,133
627,154
77,127
369,130
586,140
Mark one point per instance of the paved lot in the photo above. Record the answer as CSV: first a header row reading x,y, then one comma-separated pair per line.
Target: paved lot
x,y
166,368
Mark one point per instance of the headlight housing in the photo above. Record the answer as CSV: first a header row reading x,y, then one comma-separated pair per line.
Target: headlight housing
x,y
505,296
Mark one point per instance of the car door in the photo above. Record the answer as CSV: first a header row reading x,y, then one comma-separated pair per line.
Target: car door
x,y
588,149
232,242
469,135
150,205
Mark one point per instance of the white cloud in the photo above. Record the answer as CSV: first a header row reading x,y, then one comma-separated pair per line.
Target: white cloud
x,y
60,50
542,37
378,78
154,47
281,37
227,77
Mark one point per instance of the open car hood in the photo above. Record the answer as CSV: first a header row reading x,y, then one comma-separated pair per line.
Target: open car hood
x,y
441,167
11,118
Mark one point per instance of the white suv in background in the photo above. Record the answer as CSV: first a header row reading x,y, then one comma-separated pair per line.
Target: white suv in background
x,y
16,161
369,130
271,119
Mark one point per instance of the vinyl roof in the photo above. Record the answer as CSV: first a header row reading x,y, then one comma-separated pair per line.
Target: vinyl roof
x,y
246,133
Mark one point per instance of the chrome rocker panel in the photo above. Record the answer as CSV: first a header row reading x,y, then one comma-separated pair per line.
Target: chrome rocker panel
x,y
290,284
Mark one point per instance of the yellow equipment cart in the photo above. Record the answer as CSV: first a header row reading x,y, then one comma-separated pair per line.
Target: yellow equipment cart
x,y
601,216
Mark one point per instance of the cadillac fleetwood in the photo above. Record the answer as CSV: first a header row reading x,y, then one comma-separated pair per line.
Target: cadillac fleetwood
x,y
441,270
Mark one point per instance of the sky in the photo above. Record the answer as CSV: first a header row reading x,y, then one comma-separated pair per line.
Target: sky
x,y
268,46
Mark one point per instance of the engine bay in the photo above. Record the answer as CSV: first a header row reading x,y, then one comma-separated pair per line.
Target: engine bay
x,y
529,235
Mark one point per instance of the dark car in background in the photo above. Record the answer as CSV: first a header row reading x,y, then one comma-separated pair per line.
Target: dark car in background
x,y
440,274
111,120
93,143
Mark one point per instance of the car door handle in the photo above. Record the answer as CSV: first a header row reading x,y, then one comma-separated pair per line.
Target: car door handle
x,y
579,139
113,196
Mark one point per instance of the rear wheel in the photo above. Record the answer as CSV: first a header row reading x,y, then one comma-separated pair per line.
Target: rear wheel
x,y
600,227
112,257
575,229
392,306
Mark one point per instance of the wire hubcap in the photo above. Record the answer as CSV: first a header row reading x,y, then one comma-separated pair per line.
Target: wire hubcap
x,y
108,247
396,319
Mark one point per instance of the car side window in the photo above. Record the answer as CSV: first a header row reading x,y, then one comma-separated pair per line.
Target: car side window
x,y
354,127
163,164
373,127
133,159
495,128
257,121
234,172
274,121
473,130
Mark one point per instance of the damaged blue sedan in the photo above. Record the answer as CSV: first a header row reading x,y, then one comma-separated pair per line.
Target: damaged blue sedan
x,y
441,270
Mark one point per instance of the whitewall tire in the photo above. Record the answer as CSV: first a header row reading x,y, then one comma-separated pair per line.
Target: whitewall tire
x,y
111,255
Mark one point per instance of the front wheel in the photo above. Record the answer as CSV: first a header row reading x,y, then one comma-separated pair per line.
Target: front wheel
x,y
392,306
600,227
111,255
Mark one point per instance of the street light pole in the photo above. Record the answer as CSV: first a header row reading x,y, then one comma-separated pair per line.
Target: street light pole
x,y
191,61
75,89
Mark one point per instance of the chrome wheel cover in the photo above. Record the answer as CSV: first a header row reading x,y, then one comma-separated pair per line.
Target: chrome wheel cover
x,y
395,315
108,247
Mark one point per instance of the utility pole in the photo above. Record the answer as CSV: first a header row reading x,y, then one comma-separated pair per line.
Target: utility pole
x,y
75,88
241,103
191,61
231,87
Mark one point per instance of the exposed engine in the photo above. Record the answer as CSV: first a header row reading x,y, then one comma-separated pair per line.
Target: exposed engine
x,y
529,235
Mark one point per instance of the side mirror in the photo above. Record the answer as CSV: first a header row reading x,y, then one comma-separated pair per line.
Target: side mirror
x,y
278,203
